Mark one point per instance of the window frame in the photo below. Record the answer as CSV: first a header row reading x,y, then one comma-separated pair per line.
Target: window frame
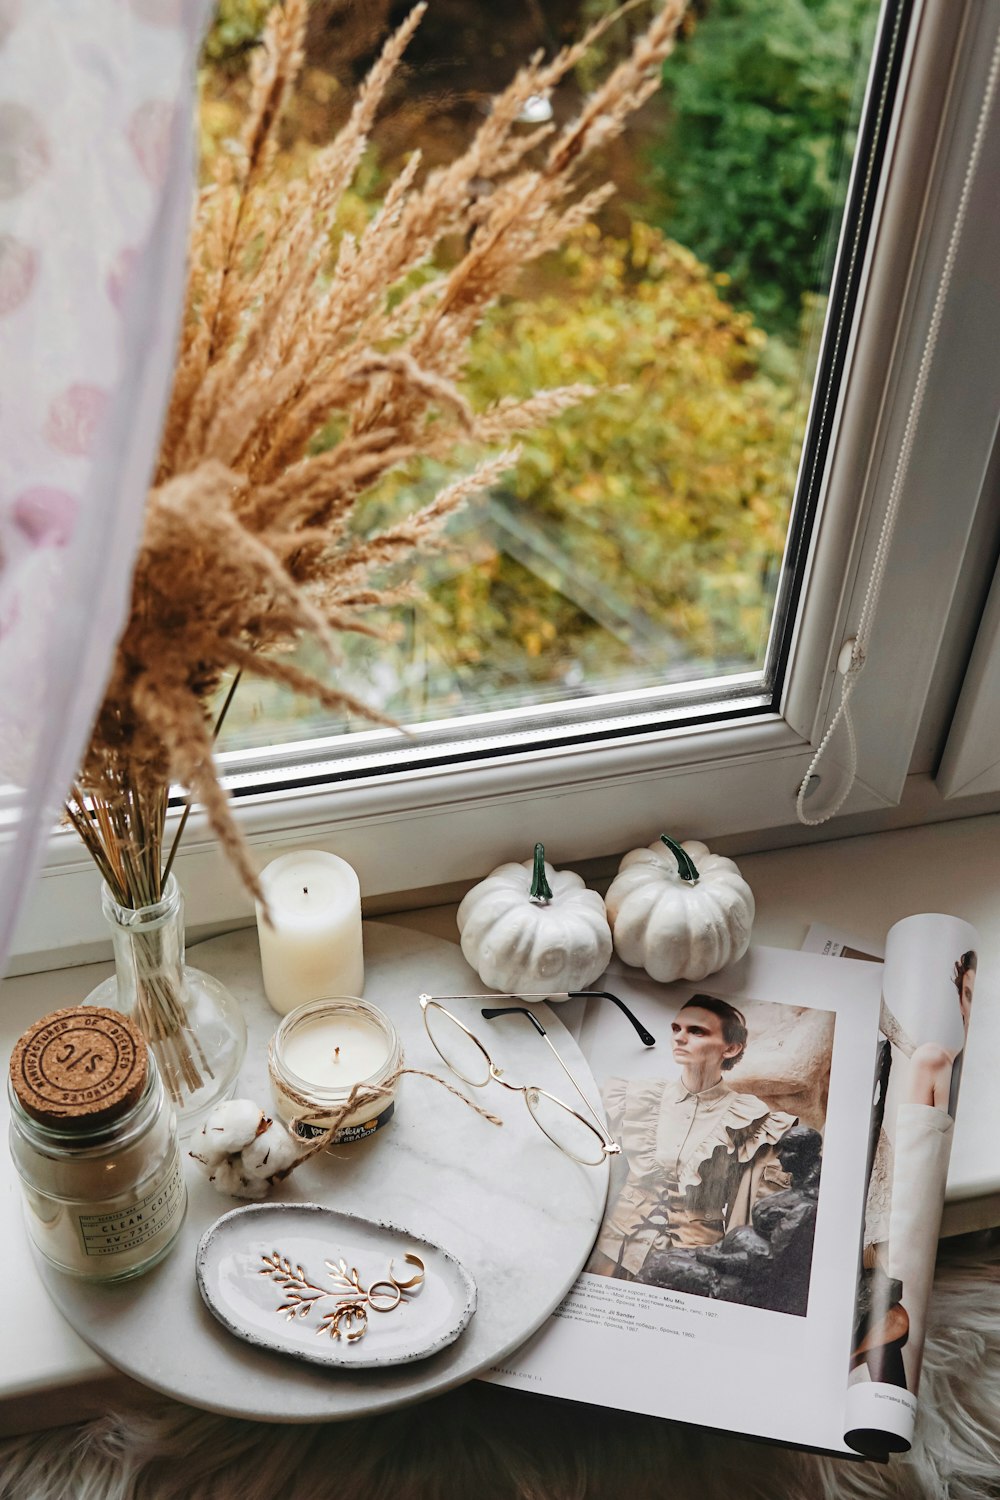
x,y
970,764
441,821
945,519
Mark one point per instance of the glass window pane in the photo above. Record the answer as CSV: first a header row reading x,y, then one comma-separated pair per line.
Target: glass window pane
x,y
639,541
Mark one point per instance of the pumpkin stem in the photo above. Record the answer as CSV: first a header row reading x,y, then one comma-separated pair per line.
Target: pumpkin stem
x,y
685,864
540,892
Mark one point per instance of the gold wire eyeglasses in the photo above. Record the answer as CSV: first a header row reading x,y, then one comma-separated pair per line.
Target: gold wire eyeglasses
x,y
587,1141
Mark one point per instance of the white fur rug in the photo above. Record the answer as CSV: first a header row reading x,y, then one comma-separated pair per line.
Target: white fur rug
x,y
484,1443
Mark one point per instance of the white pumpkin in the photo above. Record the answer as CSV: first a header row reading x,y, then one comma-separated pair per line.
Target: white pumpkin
x,y
529,929
678,911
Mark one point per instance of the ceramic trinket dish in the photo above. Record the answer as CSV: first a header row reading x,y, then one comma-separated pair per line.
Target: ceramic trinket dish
x,y
332,1288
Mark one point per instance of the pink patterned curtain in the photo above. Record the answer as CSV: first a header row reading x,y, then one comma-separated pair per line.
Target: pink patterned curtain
x,y
96,181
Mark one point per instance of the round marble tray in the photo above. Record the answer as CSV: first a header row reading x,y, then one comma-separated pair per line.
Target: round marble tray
x,y
516,1212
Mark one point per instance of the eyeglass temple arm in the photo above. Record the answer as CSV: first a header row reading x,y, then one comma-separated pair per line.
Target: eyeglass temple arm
x,y
521,1010
491,1013
646,1037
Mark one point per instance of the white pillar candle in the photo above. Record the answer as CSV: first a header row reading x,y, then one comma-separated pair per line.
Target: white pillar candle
x,y
320,1052
313,946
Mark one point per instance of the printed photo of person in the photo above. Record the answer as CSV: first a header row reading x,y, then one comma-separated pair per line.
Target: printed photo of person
x,y
935,1070
926,1011
704,1159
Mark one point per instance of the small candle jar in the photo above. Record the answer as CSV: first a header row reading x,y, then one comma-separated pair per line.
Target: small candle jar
x,y
320,1052
94,1142
312,945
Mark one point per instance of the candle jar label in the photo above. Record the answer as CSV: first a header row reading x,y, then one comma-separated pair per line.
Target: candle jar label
x,y
348,1133
123,1228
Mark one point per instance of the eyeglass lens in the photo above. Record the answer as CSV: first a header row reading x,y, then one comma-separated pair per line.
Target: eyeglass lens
x,y
456,1047
466,1057
565,1129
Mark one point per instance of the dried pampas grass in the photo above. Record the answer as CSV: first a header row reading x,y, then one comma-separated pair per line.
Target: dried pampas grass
x,y
248,541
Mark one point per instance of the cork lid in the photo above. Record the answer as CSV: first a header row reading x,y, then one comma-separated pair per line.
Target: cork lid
x,y
83,1066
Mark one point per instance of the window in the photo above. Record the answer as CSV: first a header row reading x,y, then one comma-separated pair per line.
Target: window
x,y
637,559
725,753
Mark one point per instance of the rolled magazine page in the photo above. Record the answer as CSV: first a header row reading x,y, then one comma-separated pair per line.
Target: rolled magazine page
x,y
927,988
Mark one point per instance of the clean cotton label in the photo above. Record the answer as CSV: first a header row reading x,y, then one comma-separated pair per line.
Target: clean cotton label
x,y
122,1229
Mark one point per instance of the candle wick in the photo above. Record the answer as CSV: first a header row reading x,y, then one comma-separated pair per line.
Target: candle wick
x,y
305,890
336,1054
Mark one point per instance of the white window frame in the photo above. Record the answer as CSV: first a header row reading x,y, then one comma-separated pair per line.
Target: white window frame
x,y
428,828
970,765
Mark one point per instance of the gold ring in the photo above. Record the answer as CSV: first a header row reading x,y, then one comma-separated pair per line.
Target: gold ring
x,y
391,1290
405,1286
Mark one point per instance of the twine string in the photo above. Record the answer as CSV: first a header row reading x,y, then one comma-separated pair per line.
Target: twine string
x,y
361,1094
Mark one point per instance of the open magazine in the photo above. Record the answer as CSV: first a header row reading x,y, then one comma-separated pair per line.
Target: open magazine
x,y
767,1251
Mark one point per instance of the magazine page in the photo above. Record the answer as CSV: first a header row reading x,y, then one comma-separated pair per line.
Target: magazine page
x,y
927,988
722,1286
965,1165
834,944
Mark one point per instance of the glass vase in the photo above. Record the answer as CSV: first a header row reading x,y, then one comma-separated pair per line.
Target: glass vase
x,y
191,1021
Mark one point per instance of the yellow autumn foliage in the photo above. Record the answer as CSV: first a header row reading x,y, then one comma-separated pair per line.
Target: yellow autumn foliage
x,y
640,537
660,505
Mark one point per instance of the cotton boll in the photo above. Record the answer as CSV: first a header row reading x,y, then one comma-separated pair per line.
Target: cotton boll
x,y
230,1126
274,1150
205,1158
243,1153
230,1178
206,1150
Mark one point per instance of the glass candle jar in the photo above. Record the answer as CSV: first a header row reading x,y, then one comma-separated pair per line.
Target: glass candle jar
x,y
320,1052
94,1142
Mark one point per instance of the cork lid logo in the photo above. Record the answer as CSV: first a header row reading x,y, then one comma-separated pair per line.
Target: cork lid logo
x,y
87,1064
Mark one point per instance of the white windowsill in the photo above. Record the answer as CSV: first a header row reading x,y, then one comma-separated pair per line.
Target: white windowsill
x,y
860,885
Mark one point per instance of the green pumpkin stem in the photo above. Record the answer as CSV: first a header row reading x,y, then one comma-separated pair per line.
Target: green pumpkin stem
x,y
685,864
540,892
